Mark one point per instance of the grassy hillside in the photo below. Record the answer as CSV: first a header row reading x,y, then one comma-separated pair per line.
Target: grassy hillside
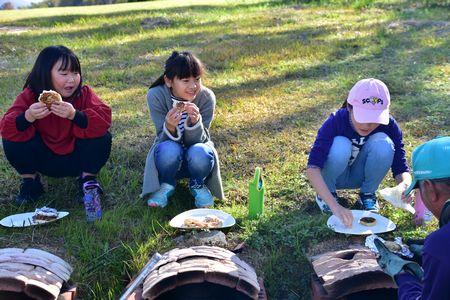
x,y
278,70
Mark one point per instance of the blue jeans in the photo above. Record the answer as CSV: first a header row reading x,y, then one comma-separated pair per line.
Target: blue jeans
x,y
367,171
174,161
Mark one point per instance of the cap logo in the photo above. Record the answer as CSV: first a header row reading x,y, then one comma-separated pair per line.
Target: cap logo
x,y
372,100
423,172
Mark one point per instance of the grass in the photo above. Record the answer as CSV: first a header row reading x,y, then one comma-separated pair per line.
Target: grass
x,y
277,69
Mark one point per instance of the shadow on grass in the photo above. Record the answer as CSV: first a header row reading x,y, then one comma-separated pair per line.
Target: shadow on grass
x,y
200,9
281,242
282,238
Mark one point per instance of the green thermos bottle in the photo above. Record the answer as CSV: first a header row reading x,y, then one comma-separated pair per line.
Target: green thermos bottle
x,y
256,195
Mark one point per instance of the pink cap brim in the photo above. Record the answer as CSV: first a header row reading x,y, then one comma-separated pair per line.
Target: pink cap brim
x,y
371,116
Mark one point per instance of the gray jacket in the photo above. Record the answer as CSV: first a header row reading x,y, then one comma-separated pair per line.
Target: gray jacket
x,y
159,103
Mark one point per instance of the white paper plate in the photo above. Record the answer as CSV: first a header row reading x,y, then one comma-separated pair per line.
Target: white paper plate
x,y
200,213
382,225
26,219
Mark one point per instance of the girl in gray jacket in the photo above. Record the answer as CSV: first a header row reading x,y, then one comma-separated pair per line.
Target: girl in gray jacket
x,y
181,110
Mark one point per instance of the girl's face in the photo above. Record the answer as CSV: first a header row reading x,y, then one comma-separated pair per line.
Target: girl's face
x,y
363,129
65,82
185,88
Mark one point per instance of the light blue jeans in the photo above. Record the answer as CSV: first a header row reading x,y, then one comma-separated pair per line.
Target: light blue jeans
x,y
367,171
173,161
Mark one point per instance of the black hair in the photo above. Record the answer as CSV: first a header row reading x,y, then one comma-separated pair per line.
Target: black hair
x,y
347,105
182,65
40,77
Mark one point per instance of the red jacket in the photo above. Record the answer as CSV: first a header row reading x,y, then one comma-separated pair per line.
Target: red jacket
x,y
58,134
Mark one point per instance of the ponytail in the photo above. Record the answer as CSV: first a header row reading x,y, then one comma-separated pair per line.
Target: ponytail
x,y
159,81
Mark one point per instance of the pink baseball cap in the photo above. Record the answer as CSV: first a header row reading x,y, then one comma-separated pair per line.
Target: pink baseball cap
x,y
370,99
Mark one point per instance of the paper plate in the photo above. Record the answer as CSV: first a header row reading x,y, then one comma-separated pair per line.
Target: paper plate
x,y
200,214
26,219
382,225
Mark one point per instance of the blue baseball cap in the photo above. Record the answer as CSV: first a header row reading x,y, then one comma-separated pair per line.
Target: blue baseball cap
x,y
430,160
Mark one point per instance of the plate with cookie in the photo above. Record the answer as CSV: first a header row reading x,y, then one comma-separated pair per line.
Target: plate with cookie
x,y
364,223
202,218
39,216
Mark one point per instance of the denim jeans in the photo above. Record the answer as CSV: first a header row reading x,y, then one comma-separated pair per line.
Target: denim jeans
x,y
173,161
368,169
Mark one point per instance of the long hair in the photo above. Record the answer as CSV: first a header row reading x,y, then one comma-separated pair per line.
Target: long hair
x,y
182,65
40,77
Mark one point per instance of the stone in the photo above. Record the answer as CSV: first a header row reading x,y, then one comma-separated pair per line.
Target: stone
x,y
200,238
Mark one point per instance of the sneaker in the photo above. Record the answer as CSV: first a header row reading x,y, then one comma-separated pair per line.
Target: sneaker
x,y
30,190
369,202
91,184
323,205
203,197
80,183
161,197
92,204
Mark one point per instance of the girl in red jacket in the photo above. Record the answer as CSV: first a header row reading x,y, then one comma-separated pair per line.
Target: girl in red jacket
x,y
70,138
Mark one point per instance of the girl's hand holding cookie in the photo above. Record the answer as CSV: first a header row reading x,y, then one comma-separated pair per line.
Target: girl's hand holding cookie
x,y
193,113
36,111
63,109
173,117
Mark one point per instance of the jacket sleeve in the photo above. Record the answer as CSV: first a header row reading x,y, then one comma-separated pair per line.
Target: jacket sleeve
x,y
199,133
433,286
8,123
98,116
399,164
158,112
323,143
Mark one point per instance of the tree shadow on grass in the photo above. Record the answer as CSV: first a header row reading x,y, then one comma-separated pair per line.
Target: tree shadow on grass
x,y
283,237
282,240
42,21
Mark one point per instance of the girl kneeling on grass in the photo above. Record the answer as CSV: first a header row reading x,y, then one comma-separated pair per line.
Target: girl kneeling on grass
x,y
182,109
355,148
68,138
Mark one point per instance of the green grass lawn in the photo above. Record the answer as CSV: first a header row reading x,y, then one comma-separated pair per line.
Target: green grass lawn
x,y
278,70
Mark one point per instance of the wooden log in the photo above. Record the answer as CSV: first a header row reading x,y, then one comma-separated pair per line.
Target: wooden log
x,y
71,294
180,267
346,272
39,290
45,263
32,272
49,256
12,282
163,282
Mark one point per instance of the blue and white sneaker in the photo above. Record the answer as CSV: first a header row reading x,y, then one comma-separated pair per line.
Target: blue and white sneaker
x,y
323,205
203,197
161,197
369,202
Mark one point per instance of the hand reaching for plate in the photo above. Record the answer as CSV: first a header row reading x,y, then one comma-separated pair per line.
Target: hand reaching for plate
x,y
344,215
